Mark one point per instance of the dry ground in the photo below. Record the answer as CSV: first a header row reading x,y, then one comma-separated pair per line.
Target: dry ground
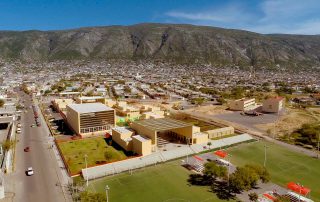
x,y
292,120
209,110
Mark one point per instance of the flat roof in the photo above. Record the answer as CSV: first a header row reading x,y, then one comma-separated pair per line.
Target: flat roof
x,y
91,97
162,124
140,138
89,107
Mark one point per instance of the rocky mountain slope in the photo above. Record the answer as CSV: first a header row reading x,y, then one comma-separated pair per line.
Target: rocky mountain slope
x,y
176,43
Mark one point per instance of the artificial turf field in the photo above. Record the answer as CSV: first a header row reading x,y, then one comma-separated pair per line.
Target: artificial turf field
x,y
284,165
163,182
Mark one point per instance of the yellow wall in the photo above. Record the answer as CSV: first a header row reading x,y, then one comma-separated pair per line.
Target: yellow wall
x,y
146,132
73,119
119,138
220,132
142,148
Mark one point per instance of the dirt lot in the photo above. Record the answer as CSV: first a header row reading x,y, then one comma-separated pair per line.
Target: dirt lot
x,y
209,110
292,120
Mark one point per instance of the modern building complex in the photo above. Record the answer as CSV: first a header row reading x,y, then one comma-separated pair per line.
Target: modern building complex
x,y
90,119
166,127
273,105
243,104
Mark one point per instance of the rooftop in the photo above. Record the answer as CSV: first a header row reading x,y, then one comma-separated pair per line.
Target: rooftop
x,y
162,124
140,138
89,107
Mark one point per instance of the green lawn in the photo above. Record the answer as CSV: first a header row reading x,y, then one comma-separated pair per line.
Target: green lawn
x,y
163,182
95,148
283,164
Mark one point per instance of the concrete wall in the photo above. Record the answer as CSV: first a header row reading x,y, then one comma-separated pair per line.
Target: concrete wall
x,y
142,147
120,138
220,132
272,105
145,132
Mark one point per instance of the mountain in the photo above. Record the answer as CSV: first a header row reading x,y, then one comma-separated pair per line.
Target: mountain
x,y
171,42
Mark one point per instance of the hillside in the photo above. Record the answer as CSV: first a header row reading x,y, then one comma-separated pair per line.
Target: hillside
x,y
176,43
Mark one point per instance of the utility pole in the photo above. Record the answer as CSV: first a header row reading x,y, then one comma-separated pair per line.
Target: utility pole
x,y
85,159
318,144
107,192
265,155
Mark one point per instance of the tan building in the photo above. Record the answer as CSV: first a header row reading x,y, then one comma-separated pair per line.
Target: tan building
x,y
130,142
61,104
184,132
91,99
220,132
273,105
243,104
90,119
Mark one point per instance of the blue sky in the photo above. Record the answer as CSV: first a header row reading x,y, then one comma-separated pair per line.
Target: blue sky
x,y
263,16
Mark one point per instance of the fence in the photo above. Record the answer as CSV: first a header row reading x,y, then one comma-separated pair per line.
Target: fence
x,y
158,157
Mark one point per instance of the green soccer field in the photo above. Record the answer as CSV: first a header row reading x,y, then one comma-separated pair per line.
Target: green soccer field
x,y
163,182
283,164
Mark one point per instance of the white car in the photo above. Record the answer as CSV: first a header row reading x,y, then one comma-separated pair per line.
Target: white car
x,y
30,171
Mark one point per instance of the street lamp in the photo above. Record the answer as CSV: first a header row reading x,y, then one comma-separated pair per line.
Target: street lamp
x,y
107,192
85,159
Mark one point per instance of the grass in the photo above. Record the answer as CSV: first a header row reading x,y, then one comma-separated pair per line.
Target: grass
x,y
95,148
163,182
284,165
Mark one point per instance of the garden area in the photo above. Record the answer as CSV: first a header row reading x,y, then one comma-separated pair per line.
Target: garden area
x,y
97,150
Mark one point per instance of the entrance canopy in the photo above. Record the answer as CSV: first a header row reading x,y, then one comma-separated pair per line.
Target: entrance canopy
x,y
298,188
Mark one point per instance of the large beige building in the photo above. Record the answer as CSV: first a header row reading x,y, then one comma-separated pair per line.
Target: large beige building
x,y
184,132
90,119
273,105
243,104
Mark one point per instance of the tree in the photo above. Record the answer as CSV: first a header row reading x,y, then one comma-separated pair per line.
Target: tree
x,y
243,178
1,103
209,144
214,170
7,144
253,196
108,156
261,171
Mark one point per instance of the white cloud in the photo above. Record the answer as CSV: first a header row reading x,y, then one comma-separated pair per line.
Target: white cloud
x,y
272,16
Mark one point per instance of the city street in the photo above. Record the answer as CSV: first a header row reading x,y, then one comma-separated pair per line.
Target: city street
x,y
45,184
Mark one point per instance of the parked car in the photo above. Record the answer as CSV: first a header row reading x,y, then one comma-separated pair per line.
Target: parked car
x,y
30,171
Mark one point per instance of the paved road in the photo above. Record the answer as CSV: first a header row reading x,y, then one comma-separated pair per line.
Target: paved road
x,y
44,185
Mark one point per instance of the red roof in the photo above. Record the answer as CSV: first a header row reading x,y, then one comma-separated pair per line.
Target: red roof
x,y
298,188
221,153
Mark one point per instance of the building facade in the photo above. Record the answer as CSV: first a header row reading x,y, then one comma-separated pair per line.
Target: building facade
x,y
90,119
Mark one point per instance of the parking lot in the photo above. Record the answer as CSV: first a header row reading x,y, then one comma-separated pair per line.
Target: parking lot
x,y
248,121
